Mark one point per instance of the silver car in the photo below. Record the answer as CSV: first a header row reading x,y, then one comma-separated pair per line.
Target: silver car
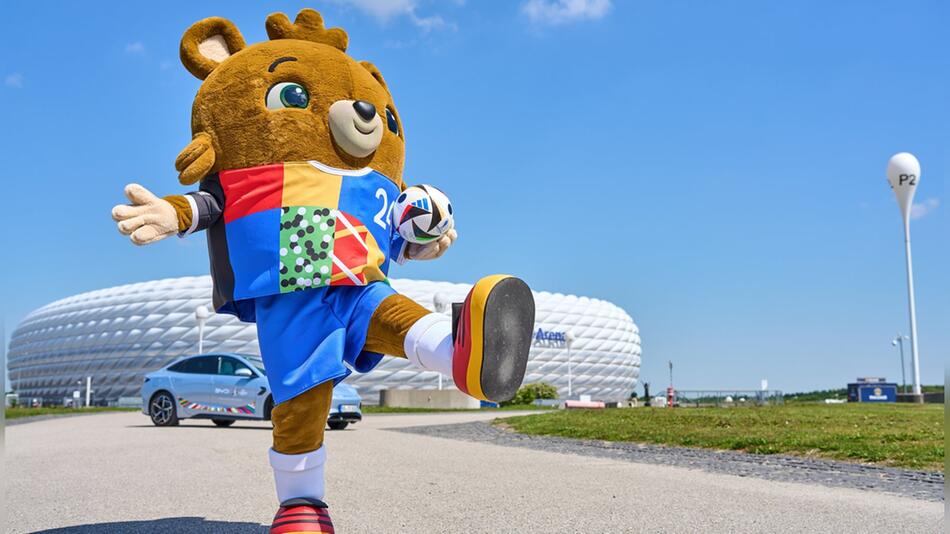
x,y
225,388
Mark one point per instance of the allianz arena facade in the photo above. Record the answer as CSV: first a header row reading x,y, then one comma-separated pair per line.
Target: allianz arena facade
x,y
117,335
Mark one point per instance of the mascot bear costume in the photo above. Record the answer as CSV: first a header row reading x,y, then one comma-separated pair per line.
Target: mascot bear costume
x,y
298,151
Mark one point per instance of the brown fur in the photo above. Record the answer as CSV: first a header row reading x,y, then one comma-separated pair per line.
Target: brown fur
x,y
390,323
182,209
300,423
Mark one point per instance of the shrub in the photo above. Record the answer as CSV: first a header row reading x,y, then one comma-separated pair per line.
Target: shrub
x,y
528,393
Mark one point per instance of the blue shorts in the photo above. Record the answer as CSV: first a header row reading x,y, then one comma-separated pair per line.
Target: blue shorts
x,y
306,337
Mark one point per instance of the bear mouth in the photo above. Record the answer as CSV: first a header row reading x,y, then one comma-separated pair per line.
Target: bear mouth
x,y
357,124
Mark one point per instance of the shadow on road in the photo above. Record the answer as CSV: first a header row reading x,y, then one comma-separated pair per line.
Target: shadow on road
x,y
208,427
218,429
161,526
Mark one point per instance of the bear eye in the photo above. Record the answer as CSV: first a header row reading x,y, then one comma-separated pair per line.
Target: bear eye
x,y
287,95
391,122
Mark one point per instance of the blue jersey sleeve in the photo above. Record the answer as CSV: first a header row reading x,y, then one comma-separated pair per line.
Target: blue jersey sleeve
x,y
397,247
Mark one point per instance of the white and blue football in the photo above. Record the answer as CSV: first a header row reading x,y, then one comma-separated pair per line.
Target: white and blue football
x,y
422,214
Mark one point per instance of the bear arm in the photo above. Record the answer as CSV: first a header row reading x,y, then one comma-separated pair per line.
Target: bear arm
x,y
182,210
198,210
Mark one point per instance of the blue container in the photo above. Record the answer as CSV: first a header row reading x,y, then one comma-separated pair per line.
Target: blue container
x,y
872,392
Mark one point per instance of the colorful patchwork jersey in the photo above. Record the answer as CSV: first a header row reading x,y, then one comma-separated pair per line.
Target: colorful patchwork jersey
x,y
292,227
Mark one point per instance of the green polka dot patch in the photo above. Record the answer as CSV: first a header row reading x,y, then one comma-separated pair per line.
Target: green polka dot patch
x,y
306,242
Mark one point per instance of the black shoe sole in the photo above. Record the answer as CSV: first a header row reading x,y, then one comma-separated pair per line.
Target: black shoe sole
x,y
506,338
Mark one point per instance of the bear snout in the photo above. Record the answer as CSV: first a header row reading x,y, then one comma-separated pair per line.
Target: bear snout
x,y
356,127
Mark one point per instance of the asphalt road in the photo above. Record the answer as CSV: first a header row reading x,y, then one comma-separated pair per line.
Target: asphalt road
x,y
117,473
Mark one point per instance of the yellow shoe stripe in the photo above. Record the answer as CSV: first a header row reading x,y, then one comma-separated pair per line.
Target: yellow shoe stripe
x,y
477,313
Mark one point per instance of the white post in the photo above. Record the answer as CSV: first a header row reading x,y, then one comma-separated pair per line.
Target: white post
x,y
570,377
201,315
914,356
569,340
88,389
903,173
442,304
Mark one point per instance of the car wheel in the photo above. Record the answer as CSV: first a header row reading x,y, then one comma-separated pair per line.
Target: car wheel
x,y
162,409
268,408
223,422
338,425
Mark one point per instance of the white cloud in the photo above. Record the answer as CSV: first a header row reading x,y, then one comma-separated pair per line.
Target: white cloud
x,y
13,80
921,209
556,12
135,48
385,10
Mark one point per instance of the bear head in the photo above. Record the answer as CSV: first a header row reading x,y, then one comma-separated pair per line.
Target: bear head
x,y
296,97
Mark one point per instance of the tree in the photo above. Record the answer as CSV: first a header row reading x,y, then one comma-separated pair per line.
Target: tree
x,y
528,393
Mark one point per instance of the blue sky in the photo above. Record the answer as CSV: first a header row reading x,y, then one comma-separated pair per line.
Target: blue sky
x,y
715,168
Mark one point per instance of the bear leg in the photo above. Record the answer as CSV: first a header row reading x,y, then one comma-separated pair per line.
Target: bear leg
x,y
298,455
484,345
390,324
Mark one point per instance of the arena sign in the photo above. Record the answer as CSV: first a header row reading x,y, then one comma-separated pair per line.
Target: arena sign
x,y
547,337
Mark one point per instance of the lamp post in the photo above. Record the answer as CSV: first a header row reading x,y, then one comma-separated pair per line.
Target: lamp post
x,y
569,340
442,303
670,392
903,173
899,341
201,316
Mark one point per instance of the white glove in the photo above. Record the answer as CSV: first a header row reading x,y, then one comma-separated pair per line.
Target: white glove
x,y
148,219
433,250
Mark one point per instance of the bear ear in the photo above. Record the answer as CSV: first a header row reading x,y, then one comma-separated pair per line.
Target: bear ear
x,y
207,43
375,72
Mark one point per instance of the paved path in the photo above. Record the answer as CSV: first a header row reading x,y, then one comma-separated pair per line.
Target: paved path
x,y
923,485
117,473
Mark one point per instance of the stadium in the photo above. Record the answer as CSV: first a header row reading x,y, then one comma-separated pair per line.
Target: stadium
x,y
118,334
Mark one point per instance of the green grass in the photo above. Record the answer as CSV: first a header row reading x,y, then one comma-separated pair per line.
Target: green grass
x,y
393,409
20,412
898,435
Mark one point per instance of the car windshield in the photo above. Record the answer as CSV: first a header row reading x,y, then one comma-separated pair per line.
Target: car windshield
x,y
259,364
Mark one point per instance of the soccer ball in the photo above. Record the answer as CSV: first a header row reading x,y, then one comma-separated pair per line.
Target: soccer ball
x,y
422,214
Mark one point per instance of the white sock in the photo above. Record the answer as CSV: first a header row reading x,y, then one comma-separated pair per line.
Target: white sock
x,y
299,475
428,343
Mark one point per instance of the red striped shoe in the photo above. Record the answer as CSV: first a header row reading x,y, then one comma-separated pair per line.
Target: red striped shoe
x,y
299,516
492,333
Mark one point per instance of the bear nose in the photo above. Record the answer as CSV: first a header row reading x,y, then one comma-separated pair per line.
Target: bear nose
x,y
364,109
